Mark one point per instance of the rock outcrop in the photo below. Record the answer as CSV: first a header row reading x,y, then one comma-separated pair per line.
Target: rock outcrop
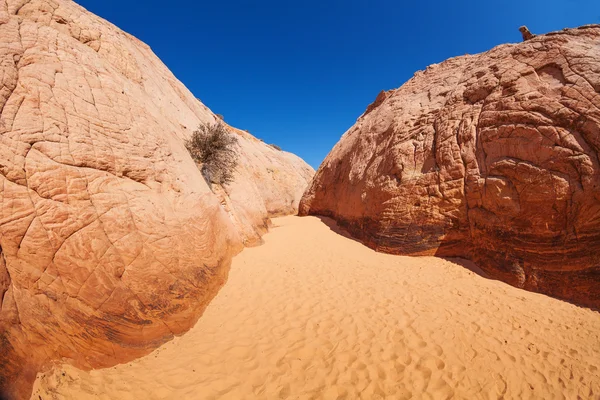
x,y
268,183
491,157
111,242
525,33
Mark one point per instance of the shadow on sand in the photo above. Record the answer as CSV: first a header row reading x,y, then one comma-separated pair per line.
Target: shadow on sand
x,y
333,225
471,266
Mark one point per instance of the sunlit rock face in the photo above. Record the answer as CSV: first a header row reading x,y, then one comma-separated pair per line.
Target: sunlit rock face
x,y
111,241
492,157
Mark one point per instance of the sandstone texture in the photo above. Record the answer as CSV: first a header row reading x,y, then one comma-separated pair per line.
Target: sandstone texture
x,y
268,183
111,242
491,157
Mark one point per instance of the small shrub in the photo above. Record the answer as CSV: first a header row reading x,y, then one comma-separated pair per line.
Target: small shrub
x,y
275,147
220,116
214,147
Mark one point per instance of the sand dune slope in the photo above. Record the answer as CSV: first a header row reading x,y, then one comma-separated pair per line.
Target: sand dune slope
x,y
312,314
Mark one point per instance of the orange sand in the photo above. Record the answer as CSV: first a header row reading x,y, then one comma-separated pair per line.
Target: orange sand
x,y
312,314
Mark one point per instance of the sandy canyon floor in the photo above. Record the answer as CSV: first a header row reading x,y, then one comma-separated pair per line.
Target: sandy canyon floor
x,y
312,314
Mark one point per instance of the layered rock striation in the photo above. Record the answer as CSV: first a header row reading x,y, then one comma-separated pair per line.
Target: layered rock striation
x,y
492,157
111,242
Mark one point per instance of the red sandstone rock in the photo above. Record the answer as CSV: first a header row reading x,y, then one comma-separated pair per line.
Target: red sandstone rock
x,y
492,157
526,33
268,182
111,242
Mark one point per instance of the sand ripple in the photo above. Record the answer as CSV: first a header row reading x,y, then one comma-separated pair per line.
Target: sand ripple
x,y
314,315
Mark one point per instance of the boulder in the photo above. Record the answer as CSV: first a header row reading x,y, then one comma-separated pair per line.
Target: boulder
x,y
111,241
525,33
492,157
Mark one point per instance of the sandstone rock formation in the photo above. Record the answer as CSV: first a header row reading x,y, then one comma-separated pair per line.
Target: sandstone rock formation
x,y
111,242
526,33
268,183
492,157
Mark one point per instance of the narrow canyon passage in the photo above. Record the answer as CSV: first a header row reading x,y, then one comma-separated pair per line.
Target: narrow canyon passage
x,y
312,314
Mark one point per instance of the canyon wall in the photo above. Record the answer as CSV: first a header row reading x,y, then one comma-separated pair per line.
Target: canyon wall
x,y
492,157
111,241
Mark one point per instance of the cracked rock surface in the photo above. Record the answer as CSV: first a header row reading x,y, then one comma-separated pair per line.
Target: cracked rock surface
x,y
111,242
491,157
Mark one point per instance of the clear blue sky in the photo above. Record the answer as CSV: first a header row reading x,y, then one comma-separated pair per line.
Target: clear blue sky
x,y
299,73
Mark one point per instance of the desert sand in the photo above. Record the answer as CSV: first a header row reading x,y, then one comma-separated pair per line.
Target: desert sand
x,y
313,314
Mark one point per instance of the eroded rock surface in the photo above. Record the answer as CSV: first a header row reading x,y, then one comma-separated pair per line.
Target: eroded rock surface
x,y
111,242
492,157
268,182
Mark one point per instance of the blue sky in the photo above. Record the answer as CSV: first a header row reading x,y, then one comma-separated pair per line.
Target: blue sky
x,y
299,73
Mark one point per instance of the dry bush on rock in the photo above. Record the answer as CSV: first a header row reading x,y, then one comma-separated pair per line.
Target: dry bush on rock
x,y
214,147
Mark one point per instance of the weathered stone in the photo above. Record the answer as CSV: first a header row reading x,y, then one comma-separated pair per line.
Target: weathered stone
x,y
492,157
111,242
268,182
526,33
